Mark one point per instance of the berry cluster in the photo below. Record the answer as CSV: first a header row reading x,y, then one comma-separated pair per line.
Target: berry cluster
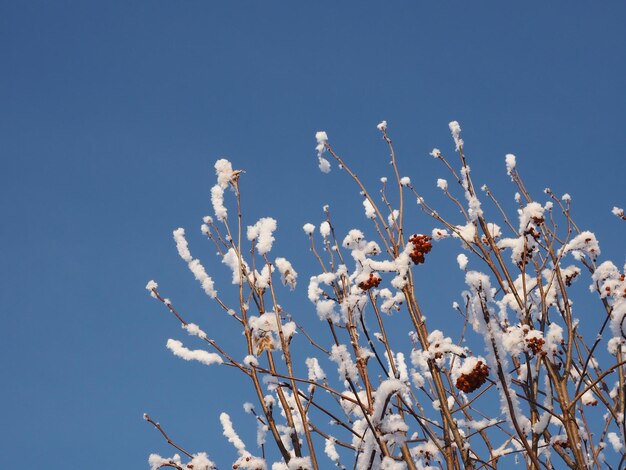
x,y
535,344
372,281
469,382
421,246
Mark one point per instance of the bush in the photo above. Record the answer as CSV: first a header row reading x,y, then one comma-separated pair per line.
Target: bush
x,y
560,386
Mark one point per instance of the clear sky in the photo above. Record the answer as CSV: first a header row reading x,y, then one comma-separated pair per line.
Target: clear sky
x,y
112,114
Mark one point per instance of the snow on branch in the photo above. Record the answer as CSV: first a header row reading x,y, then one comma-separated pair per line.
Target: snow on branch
x,y
262,232
199,355
194,265
322,140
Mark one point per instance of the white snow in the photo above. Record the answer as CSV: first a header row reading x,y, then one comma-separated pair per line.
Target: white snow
x,y
462,260
156,461
231,260
530,216
231,435
615,441
262,232
370,213
510,163
181,245
354,239
585,242
393,217
324,165
465,232
554,337
386,389
199,355
288,275
199,461
194,330
217,200
390,464
224,172
331,451
455,129
251,360
322,139
309,229
325,229
194,264
300,463
315,371
439,234
474,210
150,286
345,365
589,399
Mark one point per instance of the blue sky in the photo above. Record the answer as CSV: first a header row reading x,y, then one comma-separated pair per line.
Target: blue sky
x,y
112,114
